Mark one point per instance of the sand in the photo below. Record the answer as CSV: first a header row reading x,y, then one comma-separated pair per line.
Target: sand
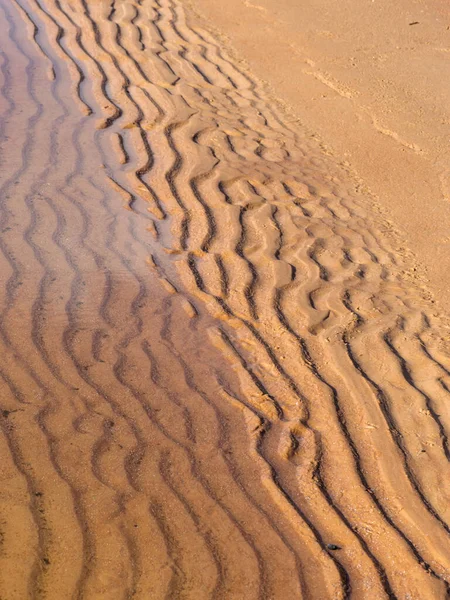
x,y
222,376
370,78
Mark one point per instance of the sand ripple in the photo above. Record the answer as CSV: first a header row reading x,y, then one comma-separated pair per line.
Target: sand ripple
x,y
218,379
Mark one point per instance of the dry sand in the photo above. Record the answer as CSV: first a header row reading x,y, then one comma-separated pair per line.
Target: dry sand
x,y
220,375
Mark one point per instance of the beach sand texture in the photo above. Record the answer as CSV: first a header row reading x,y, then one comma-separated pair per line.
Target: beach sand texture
x,y
220,375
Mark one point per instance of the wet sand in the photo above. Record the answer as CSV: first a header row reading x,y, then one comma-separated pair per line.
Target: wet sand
x,y
221,376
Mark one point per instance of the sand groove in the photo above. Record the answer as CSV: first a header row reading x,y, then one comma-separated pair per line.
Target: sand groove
x,y
219,379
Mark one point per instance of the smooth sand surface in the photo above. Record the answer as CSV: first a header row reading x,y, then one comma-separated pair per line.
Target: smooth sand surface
x,y
221,375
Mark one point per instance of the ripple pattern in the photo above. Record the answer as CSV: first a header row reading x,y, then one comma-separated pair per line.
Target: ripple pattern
x,y
220,375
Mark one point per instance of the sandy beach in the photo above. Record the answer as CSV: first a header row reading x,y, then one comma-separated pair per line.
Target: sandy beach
x,y
225,369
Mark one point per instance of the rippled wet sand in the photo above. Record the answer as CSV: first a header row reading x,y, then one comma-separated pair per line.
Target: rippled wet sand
x,y
218,377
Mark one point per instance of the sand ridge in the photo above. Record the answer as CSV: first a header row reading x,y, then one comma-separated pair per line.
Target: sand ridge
x,y
217,380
